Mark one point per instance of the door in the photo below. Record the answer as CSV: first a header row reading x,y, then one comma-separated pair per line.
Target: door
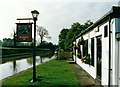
x,y
92,51
99,56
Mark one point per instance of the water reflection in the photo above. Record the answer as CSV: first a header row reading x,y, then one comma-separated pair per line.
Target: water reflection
x,y
41,59
30,60
12,67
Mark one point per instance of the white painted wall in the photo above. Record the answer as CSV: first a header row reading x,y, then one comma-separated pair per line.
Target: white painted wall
x,y
115,73
115,53
113,59
89,45
117,68
119,63
95,56
90,69
112,51
105,55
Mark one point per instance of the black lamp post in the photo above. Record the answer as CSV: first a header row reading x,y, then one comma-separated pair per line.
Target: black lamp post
x,y
35,15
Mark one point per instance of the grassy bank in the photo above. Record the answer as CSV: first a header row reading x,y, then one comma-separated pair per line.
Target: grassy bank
x,y
52,73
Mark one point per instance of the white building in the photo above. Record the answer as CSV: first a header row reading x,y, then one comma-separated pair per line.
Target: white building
x,y
102,43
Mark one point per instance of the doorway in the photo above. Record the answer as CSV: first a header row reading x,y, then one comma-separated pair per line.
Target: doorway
x,y
92,51
99,56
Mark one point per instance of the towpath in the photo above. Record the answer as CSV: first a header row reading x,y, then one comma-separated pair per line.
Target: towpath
x,y
84,78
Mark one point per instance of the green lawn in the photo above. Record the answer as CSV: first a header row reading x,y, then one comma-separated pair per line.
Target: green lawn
x,y
52,73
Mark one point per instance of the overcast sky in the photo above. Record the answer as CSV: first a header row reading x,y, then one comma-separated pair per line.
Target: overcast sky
x,y
54,14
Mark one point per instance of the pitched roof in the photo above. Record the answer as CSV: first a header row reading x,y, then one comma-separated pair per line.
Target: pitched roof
x,y
113,13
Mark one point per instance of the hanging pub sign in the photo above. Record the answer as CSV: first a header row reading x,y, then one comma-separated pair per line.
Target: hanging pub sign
x,y
24,32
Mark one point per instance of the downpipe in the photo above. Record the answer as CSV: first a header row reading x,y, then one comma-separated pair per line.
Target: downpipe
x,y
109,74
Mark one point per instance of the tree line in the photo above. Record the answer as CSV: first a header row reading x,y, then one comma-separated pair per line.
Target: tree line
x,y
67,35
8,42
42,32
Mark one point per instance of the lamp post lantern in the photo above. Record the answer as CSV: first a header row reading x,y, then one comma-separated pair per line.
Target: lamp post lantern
x,y
35,15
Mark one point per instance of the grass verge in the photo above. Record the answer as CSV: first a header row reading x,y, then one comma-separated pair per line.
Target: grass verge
x,y
50,74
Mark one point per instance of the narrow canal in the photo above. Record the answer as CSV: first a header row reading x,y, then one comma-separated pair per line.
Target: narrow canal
x,y
15,66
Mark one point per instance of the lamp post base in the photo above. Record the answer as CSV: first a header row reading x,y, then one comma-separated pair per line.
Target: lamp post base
x,y
32,80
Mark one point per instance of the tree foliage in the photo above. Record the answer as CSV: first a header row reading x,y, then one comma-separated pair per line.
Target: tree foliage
x,y
8,42
47,45
67,36
62,36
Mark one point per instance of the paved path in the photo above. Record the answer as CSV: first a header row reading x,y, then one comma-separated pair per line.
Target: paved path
x,y
84,78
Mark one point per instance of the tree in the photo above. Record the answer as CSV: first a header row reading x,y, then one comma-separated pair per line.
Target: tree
x,y
75,29
42,33
7,42
62,37
15,38
66,38
87,24
47,45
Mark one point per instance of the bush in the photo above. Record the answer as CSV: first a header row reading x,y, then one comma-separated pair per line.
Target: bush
x,y
64,55
79,56
86,59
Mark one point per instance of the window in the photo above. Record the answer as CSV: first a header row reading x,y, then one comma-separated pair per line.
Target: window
x,y
85,48
106,31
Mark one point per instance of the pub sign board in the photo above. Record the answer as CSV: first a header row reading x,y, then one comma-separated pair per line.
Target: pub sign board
x,y
24,32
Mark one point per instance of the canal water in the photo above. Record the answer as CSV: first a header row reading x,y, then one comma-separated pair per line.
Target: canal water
x,y
12,67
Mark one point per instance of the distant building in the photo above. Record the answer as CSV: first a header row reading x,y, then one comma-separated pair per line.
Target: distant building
x,y
99,48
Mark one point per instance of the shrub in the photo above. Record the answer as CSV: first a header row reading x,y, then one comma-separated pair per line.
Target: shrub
x,y
86,59
79,56
64,55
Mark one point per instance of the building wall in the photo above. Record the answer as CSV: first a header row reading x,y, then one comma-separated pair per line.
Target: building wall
x,y
105,55
113,61
89,68
115,52
119,63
